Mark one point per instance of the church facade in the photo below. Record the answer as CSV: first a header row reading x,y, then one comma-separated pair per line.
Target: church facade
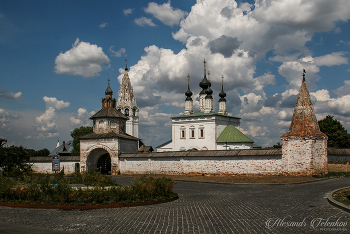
x,y
205,129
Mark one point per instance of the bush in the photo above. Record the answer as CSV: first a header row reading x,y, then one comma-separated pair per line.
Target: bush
x,y
48,189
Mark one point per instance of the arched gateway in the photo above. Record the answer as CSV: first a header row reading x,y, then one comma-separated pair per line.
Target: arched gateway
x,y
100,149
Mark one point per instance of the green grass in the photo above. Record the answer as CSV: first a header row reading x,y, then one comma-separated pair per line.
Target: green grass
x,y
48,189
342,196
333,174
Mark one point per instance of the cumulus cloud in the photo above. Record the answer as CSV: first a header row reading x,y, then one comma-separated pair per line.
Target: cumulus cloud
x,y
128,11
121,52
165,13
335,58
143,21
83,59
53,102
45,122
82,118
8,95
343,90
224,45
103,25
232,38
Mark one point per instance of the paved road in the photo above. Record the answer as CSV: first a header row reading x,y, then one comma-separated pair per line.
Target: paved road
x,y
202,208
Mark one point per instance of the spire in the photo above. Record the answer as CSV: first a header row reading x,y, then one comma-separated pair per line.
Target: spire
x,y
126,65
188,92
109,90
304,122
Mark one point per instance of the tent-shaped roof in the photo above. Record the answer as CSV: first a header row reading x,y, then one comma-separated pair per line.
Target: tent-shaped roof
x,y
63,149
233,135
304,122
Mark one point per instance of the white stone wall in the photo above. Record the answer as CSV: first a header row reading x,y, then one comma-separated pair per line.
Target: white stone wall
x,y
257,165
46,167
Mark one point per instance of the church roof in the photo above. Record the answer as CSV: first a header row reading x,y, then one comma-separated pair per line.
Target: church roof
x,y
65,149
109,112
107,135
304,122
232,135
198,114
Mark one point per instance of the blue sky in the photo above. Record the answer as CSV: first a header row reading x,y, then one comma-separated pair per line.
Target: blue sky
x,y
56,58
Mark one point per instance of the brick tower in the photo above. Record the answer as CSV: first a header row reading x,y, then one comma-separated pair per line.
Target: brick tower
x,y
304,146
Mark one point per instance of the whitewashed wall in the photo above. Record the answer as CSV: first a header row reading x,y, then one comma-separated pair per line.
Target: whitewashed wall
x,y
172,164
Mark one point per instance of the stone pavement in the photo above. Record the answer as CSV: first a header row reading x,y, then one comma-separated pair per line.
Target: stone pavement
x,y
202,208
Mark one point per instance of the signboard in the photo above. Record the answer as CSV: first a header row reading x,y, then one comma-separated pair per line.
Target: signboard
x,y
55,162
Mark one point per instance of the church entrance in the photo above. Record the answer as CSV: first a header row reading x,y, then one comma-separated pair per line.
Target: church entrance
x,y
104,164
99,160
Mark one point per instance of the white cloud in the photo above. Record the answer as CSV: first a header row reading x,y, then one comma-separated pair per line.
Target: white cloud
x,y
343,90
103,25
82,118
143,21
83,59
335,58
53,102
341,106
281,28
128,11
45,122
121,52
165,13
8,95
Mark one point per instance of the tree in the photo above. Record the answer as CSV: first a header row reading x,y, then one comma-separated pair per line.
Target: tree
x,y
278,145
337,135
14,158
75,134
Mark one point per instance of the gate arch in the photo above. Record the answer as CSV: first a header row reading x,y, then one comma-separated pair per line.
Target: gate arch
x,y
99,159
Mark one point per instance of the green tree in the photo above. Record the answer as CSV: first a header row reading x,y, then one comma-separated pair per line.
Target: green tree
x,y
75,134
337,135
277,145
14,158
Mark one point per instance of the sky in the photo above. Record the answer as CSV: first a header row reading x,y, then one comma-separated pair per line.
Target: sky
x,y
56,58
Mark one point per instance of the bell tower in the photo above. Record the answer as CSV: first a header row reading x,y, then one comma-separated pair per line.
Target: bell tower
x,y
127,104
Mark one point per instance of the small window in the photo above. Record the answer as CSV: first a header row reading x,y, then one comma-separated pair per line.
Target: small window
x,y
100,123
201,131
127,112
182,132
192,131
113,124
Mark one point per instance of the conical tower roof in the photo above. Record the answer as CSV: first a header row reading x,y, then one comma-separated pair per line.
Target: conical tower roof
x,y
304,122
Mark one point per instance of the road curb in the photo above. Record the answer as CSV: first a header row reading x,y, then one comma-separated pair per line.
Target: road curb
x,y
87,207
336,203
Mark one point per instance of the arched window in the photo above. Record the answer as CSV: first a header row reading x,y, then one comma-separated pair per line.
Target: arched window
x,y
100,123
192,131
201,131
134,112
127,112
182,132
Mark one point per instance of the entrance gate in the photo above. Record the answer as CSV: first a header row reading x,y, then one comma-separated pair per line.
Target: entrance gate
x,y
104,164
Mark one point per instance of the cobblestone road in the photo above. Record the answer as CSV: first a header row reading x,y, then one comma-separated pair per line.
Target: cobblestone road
x,y
202,208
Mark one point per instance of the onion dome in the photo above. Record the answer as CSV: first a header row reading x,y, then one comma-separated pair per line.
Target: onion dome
x,y
188,92
222,94
205,82
109,90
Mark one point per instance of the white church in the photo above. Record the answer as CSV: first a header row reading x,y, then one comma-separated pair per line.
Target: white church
x,y
205,129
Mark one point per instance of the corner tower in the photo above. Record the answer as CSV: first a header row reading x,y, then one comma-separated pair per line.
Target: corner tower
x,y
127,105
304,146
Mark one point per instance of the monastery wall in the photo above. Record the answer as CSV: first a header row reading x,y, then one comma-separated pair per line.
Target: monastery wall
x,y
257,162
44,164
